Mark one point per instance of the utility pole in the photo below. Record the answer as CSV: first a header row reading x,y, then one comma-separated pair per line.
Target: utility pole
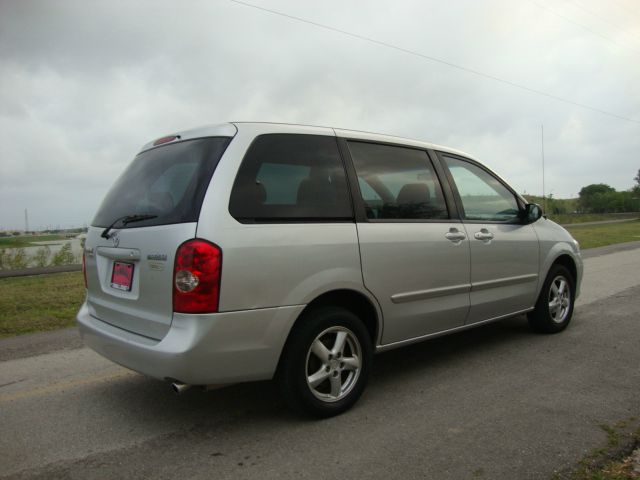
x,y
26,221
544,198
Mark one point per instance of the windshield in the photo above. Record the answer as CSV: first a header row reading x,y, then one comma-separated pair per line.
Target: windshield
x,y
167,183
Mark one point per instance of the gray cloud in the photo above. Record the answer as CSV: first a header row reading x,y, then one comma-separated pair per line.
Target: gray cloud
x,y
84,84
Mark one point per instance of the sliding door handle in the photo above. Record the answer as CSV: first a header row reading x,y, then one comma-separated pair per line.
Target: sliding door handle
x,y
484,235
454,235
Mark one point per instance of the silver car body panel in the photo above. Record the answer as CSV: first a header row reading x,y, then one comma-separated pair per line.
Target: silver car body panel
x,y
504,270
420,284
199,349
148,308
420,278
268,265
422,338
555,242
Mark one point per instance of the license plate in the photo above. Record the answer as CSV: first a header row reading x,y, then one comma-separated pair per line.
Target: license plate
x,y
122,276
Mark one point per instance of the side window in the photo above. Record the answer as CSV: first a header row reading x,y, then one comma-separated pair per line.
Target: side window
x,y
483,196
281,182
291,177
397,182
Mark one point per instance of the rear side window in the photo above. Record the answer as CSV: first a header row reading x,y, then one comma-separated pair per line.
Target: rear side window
x,y
397,183
168,181
289,177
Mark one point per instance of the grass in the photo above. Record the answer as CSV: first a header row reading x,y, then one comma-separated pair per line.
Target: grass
x,y
612,461
591,236
27,241
571,218
39,303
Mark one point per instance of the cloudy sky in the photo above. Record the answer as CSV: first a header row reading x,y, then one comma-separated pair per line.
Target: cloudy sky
x,y
84,84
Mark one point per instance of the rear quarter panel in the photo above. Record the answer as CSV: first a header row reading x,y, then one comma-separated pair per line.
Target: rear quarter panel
x,y
272,265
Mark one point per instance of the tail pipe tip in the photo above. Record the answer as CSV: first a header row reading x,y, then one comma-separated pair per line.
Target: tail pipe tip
x,y
180,387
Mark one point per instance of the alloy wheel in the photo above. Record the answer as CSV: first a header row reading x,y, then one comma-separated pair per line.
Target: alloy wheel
x,y
333,364
559,299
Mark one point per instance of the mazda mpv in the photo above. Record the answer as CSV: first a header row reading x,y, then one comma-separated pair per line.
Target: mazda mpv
x,y
251,251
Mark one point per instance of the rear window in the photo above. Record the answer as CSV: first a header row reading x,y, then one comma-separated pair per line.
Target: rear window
x,y
168,181
291,177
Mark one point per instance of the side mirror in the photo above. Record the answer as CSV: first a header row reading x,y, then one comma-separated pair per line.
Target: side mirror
x,y
531,213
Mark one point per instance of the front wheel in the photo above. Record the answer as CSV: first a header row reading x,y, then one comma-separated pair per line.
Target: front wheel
x,y
326,362
554,308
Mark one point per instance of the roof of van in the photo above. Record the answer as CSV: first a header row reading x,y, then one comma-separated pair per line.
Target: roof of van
x,y
231,128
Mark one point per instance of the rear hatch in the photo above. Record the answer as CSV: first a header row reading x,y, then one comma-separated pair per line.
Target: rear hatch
x,y
130,248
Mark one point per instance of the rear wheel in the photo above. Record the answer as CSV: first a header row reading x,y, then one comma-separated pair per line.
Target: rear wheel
x,y
326,362
554,308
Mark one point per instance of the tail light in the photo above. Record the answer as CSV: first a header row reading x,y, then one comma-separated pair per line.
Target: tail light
x,y
196,277
84,268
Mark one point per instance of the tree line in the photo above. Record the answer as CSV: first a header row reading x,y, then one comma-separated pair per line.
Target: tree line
x,y
595,198
602,198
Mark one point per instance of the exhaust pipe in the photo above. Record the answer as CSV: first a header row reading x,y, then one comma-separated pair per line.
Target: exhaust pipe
x,y
179,387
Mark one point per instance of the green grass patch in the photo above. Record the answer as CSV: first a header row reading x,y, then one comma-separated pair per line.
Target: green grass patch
x,y
28,241
591,236
571,218
39,303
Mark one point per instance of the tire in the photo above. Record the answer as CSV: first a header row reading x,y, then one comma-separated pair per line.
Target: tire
x,y
326,362
554,308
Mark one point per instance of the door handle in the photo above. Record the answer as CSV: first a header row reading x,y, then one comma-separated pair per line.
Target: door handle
x,y
455,235
484,235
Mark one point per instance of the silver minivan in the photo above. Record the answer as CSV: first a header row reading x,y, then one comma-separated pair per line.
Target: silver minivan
x,y
251,251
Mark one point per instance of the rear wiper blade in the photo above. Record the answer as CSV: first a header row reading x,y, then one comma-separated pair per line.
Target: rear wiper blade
x,y
125,220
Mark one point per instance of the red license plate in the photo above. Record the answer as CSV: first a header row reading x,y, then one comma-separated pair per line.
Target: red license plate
x,y
122,276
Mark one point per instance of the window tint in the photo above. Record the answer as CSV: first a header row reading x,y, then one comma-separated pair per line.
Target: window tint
x,y
369,195
483,196
397,182
291,177
168,181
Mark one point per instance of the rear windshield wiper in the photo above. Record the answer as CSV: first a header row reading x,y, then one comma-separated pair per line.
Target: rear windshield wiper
x,y
125,220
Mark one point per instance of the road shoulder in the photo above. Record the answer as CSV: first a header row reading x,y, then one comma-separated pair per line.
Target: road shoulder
x,y
608,249
23,346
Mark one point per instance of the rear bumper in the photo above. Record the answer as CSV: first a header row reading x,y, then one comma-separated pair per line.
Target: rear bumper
x,y
199,349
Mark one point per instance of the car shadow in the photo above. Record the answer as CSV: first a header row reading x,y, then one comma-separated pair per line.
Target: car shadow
x,y
139,399
457,348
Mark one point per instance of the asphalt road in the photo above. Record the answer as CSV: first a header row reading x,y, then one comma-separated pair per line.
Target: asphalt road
x,y
495,402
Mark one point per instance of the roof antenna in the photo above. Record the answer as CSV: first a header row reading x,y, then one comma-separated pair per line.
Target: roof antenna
x,y
544,198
